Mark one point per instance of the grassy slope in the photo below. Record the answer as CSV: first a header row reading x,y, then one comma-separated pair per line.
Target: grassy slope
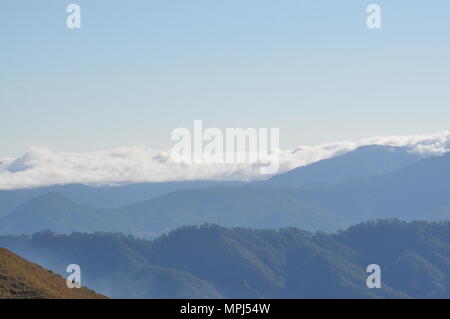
x,y
20,279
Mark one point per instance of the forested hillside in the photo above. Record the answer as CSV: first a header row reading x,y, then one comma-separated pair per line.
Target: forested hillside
x,y
212,261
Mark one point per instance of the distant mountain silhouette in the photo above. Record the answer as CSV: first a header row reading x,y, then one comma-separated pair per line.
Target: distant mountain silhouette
x,y
416,191
246,206
20,279
102,196
52,211
365,161
259,207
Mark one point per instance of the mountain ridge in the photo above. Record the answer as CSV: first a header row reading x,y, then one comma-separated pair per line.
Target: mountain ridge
x,y
415,191
365,161
211,261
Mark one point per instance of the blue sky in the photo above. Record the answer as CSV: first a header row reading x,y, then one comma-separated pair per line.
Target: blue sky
x,y
138,69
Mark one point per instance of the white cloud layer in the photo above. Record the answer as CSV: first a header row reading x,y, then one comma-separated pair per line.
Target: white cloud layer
x,y
42,167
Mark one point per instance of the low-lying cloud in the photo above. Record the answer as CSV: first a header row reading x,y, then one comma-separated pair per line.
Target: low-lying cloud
x,y
136,164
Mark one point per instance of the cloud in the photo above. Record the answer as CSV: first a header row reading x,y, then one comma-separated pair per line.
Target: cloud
x,y
42,167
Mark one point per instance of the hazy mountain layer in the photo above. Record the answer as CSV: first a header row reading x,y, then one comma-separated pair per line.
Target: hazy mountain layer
x,y
365,161
416,191
101,196
211,261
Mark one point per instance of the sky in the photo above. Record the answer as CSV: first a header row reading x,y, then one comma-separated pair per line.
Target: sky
x,y
136,70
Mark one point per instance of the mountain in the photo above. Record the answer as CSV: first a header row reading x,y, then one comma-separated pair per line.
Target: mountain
x,y
20,279
229,206
102,196
365,161
417,191
111,263
257,207
212,262
52,211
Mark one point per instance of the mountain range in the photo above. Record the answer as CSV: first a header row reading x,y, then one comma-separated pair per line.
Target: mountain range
x,y
365,161
102,196
386,182
143,240
214,262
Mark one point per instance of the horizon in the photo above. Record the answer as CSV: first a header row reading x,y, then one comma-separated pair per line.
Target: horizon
x,y
40,166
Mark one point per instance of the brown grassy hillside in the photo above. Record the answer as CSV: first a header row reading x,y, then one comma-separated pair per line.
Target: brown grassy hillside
x,y
21,279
